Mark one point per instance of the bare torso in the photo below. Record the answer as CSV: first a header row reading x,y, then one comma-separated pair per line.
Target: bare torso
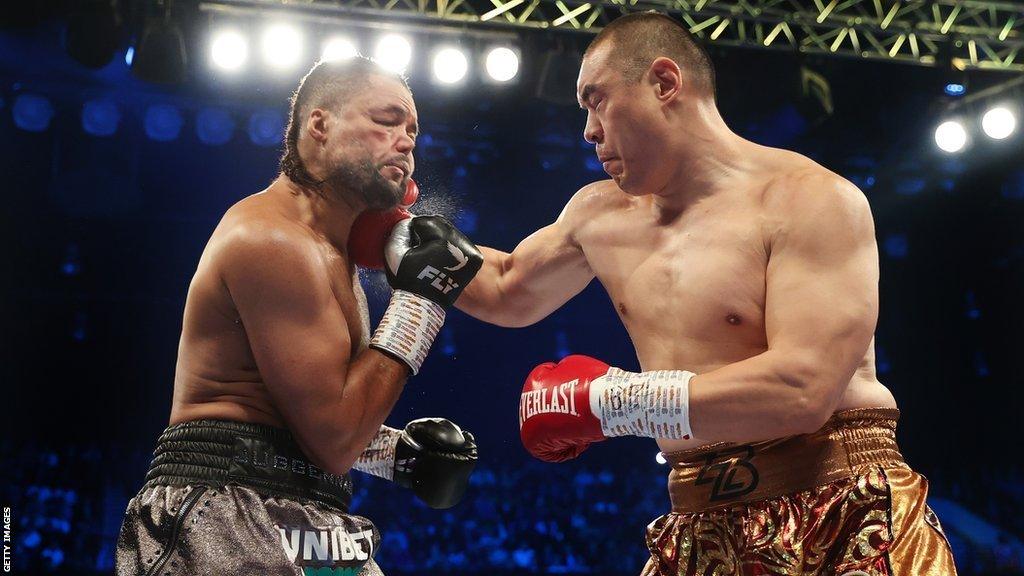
x,y
690,288
216,374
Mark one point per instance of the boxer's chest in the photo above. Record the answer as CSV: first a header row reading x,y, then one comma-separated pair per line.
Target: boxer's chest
x,y
698,279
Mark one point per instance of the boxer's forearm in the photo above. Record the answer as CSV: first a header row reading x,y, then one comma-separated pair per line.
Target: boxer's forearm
x,y
485,298
374,383
518,289
770,395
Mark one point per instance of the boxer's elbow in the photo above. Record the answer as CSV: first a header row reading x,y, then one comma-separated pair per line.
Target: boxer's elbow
x,y
335,455
513,316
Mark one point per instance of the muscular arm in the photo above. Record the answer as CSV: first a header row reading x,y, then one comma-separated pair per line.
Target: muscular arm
x,y
543,272
333,404
820,314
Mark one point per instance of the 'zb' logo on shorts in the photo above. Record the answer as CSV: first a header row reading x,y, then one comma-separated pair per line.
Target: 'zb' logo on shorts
x,y
733,477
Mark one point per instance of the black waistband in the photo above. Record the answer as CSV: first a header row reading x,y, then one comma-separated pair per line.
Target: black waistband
x,y
220,452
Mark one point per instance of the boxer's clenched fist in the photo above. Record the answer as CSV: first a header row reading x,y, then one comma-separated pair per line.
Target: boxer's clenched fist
x,y
429,257
556,422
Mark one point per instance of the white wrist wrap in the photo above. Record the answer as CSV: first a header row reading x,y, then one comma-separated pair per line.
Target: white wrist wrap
x,y
408,328
379,457
654,404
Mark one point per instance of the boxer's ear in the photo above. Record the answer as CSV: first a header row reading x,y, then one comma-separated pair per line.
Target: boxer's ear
x,y
667,79
316,124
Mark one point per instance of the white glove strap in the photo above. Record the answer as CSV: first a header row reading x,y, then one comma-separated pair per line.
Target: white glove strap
x,y
408,328
654,404
379,457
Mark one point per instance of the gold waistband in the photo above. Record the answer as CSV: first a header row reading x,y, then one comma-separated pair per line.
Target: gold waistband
x,y
724,474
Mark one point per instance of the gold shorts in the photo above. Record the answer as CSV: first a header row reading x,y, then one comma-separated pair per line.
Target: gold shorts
x,y
836,502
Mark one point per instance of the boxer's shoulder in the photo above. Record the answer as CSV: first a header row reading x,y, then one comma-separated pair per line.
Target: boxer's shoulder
x,y
592,200
801,195
252,237
796,185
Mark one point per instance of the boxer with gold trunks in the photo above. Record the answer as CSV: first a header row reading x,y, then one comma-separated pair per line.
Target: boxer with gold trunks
x,y
747,278
280,389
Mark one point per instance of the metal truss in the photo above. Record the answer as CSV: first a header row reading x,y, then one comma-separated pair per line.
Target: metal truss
x,y
966,34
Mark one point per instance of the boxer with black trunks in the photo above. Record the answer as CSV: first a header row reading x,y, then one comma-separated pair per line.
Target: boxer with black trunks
x,y
279,390
747,278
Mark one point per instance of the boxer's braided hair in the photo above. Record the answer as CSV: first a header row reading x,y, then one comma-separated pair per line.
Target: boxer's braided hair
x,y
328,84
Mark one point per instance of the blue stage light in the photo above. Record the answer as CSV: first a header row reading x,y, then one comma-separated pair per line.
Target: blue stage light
x,y
882,363
79,331
129,55
1013,188
32,113
467,221
593,164
100,117
980,364
896,246
448,341
971,305
163,122
266,128
910,186
955,89
561,344
214,126
72,264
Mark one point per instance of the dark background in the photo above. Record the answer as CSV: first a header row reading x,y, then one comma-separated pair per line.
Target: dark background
x,y
103,235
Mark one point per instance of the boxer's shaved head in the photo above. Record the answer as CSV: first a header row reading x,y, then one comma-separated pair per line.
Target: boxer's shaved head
x,y
328,85
636,40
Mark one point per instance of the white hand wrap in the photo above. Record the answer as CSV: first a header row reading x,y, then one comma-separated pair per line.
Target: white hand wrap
x,y
653,404
379,457
408,328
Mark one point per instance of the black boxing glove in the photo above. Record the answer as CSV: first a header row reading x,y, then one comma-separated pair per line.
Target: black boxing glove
x,y
430,257
434,458
429,263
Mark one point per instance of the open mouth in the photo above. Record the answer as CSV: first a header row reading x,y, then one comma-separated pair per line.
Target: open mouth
x,y
402,171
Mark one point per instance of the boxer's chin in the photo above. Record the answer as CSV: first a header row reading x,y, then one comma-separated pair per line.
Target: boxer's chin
x,y
365,183
382,194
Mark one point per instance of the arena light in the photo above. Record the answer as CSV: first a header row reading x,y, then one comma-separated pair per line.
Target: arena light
x,y
100,117
31,112
338,48
229,50
660,458
502,64
266,128
393,52
951,136
282,46
163,122
214,126
450,65
955,89
998,122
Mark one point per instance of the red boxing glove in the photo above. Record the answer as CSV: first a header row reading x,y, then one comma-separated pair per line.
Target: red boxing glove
x,y
371,229
555,420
